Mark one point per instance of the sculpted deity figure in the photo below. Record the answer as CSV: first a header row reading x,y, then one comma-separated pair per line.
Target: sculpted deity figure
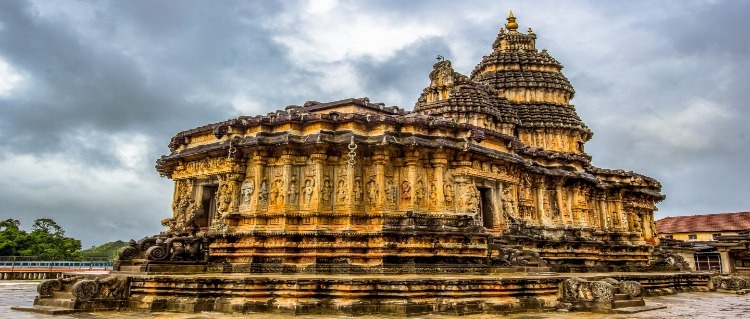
x,y
433,193
372,191
247,190
357,191
509,207
341,191
448,194
419,192
224,199
405,191
307,192
635,222
472,201
263,192
325,192
276,192
390,191
293,192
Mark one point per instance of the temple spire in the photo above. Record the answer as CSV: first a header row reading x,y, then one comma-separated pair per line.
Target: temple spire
x,y
512,26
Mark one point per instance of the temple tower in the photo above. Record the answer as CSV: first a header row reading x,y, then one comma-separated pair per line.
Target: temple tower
x,y
533,83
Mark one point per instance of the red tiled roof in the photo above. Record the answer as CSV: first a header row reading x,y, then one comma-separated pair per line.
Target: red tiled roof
x,y
704,223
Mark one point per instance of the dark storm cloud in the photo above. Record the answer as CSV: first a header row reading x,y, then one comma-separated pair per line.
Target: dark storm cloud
x,y
661,83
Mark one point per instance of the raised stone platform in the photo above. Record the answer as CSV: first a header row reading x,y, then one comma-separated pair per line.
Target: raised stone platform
x,y
355,294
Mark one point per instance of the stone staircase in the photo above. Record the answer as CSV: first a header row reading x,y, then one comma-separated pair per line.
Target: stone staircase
x,y
625,304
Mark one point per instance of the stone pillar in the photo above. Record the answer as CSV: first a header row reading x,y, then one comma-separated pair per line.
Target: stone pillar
x,y
380,158
565,212
727,267
412,159
601,202
539,199
259,162
646,226
622,220
316,202
438,162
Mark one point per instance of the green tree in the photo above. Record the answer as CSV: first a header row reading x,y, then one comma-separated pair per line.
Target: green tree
x,y
12,238
48,240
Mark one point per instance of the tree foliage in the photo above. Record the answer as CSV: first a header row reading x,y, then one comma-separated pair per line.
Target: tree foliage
x,y
46,239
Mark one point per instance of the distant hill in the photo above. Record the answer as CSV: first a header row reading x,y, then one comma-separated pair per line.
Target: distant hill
x,y
109,249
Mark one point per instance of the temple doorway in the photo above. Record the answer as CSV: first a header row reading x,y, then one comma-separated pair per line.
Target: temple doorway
x,y
207,212
485,207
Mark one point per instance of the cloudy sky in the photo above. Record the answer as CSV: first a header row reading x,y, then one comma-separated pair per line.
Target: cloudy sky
x,y
91,92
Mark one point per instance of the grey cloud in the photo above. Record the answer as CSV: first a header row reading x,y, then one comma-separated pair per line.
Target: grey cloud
x,y
153,68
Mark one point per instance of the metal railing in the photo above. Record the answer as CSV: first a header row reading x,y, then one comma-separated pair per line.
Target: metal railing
x,y
90,263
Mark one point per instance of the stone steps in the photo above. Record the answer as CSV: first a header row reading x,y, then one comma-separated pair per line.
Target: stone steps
x,y
618,304
621,297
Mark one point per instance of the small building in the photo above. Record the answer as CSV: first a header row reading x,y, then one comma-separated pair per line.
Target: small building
x,y
703,228
717,240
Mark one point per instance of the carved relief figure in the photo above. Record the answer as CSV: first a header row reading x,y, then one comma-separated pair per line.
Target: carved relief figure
x,y
224,197
307,192
433,193
341,191
247,190
357,191
181,202
390,191
472,201
635,222
277,193
508,204
326,191
263,193
448,194
615,219
405,191
293,192
419,192
372,191
192,211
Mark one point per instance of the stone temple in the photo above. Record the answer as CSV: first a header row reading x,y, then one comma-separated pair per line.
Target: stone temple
x,y
482,164
355,206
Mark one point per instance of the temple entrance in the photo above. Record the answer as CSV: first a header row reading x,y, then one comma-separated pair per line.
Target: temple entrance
x,y
207,211
485,207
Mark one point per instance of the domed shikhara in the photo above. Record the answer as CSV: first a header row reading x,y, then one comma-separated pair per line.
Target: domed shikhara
x,y
485,166
453,95
533,83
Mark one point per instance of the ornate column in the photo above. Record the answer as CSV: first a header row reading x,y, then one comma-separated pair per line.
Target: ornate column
x,y
316,201
565,213
726,261
438,161
621,222
380,158
259,161
408,190
286,170
539,201
601,203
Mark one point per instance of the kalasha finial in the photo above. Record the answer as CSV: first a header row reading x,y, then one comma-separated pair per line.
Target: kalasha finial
x,y
512,26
